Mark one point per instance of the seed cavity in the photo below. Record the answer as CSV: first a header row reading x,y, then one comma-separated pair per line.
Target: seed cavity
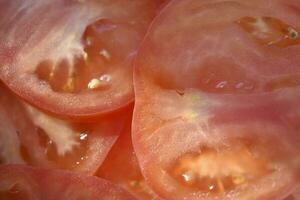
x,y
270,31
81,70
219,171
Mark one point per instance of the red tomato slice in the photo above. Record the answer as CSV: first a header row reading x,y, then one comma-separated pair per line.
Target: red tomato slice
x,y
72,58
32,137
18,182
217,100
121,167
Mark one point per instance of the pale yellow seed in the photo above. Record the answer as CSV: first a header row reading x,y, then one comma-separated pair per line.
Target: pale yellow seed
x,y
51,75
89,41
69,86
238,179
220,185
94,83
105,54
85,56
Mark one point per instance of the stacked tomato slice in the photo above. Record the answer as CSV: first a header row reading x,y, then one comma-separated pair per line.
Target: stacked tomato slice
x,y
96,103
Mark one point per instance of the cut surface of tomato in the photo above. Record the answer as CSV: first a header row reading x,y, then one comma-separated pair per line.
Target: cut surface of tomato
x,y
121,167
20,182
217,100
72,58
33,137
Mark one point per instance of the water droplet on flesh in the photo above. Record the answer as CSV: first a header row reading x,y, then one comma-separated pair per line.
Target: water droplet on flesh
x,y
105,78
83,136
221,85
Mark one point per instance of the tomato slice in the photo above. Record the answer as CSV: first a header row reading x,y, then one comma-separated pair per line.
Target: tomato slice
x,y
33,137
20,182
72,58
217,95
121,167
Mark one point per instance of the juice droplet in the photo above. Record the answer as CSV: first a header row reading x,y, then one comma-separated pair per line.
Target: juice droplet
x,y
221,85
189,177
83,136
105,78
244,86
225,78
239,85
81,160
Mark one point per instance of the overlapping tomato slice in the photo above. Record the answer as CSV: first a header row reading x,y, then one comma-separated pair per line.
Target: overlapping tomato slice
x,y
19,182
121,167
30,136
72,58
217,100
